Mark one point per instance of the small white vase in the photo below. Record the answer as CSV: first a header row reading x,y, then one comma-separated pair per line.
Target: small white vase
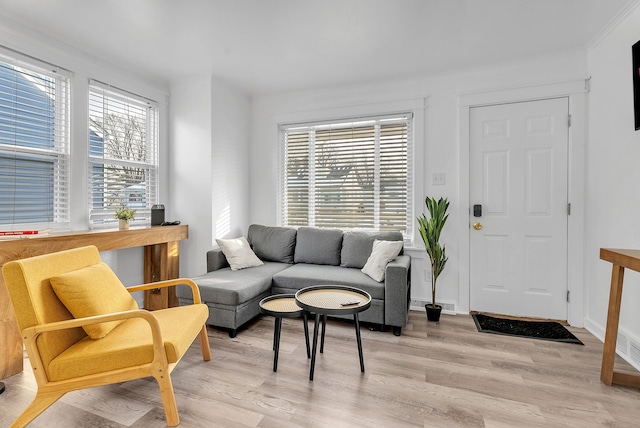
x,y
123,224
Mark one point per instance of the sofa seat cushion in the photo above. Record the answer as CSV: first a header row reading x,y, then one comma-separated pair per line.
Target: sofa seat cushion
x,y
304,275
130,344
232,288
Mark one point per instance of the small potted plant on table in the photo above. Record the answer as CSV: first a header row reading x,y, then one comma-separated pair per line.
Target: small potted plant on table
x,y
430,229
124,214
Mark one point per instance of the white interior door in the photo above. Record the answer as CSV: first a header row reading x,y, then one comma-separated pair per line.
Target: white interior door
x,y
518,174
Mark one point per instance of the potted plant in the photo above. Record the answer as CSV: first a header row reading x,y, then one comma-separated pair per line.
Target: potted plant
x,y
124,214
430,229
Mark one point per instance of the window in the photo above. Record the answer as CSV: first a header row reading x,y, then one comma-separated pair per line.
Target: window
x,y
123,154
34,144
351,174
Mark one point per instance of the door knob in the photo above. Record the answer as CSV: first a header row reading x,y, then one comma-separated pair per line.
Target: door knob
x,y
477,226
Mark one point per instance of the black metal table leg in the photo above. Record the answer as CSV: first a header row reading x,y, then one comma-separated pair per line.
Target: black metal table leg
x,y
275,333
1,387
357,323
324,325
306,333
276,343
315,346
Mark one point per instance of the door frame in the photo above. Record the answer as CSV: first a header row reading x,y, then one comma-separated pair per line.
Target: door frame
x,y
575,91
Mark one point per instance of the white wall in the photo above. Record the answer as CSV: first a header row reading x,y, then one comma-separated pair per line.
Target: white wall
x,y
438,146
230,161
190,166
126,263
209,167
613,171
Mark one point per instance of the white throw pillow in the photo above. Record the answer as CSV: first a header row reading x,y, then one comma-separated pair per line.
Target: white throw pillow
x,y
381,254
238,253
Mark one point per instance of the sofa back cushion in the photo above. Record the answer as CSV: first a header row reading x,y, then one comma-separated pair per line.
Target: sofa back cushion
x,y
318,246
273,244
357,245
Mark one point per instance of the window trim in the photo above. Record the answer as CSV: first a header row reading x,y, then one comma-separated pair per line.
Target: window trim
x,y
349,122
60,154
361,107
100,218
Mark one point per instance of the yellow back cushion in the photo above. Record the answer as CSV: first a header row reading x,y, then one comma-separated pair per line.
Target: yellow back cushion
x,y
93,290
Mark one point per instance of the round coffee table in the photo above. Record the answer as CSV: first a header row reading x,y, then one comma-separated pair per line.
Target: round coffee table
x,y
324,300
283,306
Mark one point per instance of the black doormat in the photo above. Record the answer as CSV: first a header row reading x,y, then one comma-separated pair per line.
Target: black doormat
x,y
544,330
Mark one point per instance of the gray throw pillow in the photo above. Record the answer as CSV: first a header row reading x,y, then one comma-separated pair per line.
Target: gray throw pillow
x,y
318,246
271,243
356,246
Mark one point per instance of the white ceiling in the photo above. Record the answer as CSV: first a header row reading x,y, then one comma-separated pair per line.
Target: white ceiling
x,y
268,46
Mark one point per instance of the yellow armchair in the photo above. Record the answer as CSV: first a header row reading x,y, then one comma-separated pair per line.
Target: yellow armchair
x,y
97,336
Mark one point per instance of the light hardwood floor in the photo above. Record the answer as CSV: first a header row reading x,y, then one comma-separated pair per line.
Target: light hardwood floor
x,y
434,375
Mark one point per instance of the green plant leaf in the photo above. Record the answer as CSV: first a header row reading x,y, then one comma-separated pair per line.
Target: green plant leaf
x,y
430,230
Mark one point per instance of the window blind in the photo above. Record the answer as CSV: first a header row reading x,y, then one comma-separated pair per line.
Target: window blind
x,y
34,144
353,174
123,154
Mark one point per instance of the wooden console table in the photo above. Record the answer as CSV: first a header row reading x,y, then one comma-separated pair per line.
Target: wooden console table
x,y
161,261
621,259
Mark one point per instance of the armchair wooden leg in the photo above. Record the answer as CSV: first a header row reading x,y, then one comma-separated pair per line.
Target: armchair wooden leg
x,y
168,399
204,344
39,404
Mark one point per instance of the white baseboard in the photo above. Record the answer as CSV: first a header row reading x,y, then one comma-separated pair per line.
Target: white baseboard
x,y
417,304
627,346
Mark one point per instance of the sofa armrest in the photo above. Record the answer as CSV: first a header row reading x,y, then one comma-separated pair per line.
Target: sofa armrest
x,y
397,291
216,260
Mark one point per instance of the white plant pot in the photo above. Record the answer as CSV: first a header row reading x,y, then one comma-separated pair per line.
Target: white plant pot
x,y
123,224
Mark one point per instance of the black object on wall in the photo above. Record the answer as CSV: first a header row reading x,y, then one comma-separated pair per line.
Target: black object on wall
x,y
635,53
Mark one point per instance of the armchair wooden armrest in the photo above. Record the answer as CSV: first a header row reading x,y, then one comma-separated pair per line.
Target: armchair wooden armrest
x,y
33,332
30,334
169,283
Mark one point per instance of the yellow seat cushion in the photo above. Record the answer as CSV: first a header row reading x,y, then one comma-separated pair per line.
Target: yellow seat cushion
x,y
93,290
130,344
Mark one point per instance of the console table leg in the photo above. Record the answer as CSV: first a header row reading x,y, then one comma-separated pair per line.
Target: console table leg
x,y
611,332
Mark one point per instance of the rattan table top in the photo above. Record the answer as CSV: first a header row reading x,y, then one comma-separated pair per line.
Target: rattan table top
x,y
283,304
329,299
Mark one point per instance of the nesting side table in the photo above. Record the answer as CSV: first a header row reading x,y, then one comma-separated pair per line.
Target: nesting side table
x,y
283,306
324,300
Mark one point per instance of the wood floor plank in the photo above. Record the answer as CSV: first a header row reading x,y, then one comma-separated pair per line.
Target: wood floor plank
x,y
434,375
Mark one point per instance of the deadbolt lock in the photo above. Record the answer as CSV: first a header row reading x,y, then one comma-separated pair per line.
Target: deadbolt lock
x,y
477,226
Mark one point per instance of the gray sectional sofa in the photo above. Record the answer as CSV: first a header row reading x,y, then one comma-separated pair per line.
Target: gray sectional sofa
x,y
297,258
